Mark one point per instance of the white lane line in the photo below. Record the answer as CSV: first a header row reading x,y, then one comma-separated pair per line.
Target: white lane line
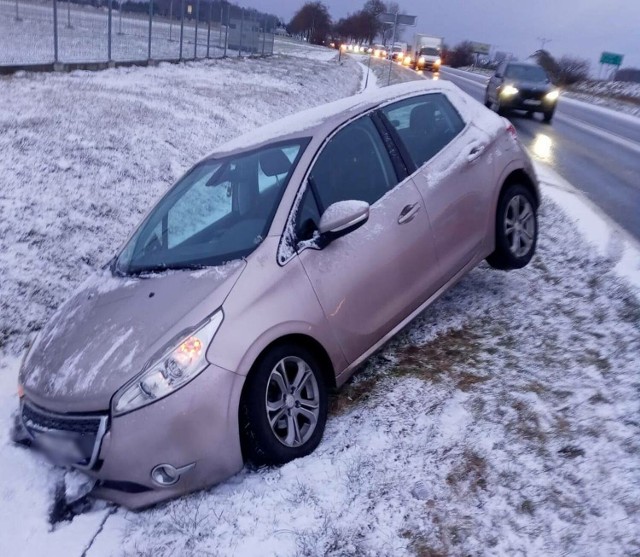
x,y
600,132
584,126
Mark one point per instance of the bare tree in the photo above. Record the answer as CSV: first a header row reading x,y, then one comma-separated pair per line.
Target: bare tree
x,y
312,21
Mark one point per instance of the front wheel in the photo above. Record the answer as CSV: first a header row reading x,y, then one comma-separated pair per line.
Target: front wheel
x,y
516,229
284,406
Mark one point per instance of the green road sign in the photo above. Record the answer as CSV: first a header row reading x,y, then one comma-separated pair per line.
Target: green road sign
x,y
481,48
611,58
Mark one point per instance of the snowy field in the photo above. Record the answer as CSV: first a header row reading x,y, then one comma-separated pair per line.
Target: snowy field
x,y
504,421
30,39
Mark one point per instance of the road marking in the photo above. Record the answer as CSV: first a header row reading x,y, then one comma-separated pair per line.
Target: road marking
x,y
602,133
577,123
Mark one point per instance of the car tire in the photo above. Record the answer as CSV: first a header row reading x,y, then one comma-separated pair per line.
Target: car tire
x,y
547,116
264,402
516,228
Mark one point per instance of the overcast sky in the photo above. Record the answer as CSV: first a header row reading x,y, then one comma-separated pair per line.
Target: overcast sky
x,y
578,27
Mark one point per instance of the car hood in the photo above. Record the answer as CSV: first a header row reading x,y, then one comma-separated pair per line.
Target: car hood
x,y
105,334
538,86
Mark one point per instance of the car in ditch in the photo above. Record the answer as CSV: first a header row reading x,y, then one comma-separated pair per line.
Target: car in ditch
x,y
263,278
521,86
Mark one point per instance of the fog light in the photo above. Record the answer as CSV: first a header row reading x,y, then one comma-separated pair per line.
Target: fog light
x,y
166,475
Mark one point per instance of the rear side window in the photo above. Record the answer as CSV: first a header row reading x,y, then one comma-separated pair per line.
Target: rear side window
x,y
425,124
354,164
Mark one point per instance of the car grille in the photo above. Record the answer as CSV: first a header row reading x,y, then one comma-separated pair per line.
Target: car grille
x,y
533,95
84,431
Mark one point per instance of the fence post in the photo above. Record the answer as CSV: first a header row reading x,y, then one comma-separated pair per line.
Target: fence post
x,y
17,12
209,26
68,14
150,25
181,25
226,33
195,45
241,31
55,31
264,37
108,30
170,19
119,17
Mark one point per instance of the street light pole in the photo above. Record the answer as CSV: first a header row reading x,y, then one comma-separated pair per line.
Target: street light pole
x,y
393,40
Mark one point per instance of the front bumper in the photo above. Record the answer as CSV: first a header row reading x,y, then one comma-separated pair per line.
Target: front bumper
x,y
195,429
532,103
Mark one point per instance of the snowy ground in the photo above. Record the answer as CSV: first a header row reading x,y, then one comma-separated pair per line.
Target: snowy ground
x,y
29,40
502,422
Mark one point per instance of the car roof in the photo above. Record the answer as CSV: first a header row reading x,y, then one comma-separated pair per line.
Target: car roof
x,y
322,120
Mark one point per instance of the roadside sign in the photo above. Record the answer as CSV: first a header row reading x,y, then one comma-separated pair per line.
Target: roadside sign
x,y
403,19
611,58
481,48
189,8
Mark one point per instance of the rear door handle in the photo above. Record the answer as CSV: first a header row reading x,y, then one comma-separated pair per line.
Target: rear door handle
x,y
408,213
475,153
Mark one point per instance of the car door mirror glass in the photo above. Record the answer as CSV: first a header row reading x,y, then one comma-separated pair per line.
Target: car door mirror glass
x,y
343,217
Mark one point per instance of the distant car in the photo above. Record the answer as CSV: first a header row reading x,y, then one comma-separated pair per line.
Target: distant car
x,y
396,54
521,86
379,51
263,278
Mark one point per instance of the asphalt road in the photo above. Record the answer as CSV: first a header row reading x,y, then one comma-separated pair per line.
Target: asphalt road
x,y
596,150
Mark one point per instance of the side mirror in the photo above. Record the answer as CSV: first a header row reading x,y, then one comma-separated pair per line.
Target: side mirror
x,y
341,218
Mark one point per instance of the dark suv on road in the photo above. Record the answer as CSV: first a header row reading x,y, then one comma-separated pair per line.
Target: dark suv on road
x,y
521,86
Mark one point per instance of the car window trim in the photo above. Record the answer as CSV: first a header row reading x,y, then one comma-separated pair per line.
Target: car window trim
x,y
399,155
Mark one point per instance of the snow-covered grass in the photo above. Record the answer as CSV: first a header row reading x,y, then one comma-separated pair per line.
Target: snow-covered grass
x,y
30,39
502,422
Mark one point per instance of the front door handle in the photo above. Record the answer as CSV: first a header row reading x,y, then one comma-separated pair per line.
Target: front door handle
x,y
408,213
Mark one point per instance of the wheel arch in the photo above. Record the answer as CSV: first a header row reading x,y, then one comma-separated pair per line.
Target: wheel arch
x,y
520,176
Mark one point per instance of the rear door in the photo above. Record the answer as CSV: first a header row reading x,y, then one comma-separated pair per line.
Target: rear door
x,y
453,174
370,280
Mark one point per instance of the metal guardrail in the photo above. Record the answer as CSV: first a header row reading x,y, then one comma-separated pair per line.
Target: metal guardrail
x,y
45,32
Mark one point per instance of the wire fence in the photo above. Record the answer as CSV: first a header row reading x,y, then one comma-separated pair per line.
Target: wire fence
x,y
46,31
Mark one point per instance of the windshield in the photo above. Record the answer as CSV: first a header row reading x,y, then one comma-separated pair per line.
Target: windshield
x,y
220,211
397,49
526,73
429,51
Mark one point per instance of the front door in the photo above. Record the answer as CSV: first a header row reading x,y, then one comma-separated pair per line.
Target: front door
x,y
371,279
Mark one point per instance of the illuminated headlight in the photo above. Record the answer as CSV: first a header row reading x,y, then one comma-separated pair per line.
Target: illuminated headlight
x,y
407,59
179,364
552,95
421,60
509,91
437,62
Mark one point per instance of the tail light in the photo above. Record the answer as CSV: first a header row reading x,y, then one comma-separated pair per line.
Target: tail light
x,y
510,129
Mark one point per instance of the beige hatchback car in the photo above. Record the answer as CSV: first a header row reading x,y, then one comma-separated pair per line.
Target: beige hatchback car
x,y
263,278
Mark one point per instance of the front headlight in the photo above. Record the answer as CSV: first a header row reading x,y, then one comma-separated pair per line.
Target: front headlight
x,y
552,95
178,365
421,60
437,62
509,91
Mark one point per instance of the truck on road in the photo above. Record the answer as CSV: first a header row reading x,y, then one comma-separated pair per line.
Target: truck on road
x,y
426,52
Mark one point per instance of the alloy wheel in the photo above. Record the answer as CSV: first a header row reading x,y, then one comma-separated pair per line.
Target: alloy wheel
x,y
292,401
519,225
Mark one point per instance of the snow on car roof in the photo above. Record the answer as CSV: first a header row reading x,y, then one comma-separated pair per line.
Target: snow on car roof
x,y
313,121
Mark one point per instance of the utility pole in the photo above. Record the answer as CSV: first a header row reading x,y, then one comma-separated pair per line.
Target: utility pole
x,y
543,41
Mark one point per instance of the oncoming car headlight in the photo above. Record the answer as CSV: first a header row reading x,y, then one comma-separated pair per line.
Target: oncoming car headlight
x,y
509,91
552,95
179,364
422,60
